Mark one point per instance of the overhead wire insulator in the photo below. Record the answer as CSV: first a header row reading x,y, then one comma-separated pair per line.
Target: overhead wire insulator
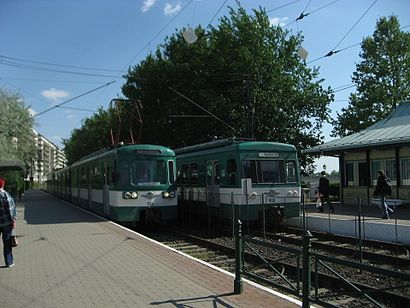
x,y
301,16
331,53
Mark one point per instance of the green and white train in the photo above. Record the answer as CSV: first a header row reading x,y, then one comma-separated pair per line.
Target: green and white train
x,y
126,183
239,178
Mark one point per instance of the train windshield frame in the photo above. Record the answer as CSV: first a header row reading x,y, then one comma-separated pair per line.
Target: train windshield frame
x,y
148,172
272,171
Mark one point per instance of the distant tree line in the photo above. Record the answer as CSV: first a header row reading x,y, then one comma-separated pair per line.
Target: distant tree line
x,y
246,75
242,78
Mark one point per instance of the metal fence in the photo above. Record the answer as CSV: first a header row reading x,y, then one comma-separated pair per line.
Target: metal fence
x,y
359,219
311,269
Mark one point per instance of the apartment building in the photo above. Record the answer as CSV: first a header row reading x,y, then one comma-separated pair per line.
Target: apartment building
x,y
49,157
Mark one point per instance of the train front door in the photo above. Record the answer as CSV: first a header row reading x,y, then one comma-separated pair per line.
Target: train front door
x,y
212,183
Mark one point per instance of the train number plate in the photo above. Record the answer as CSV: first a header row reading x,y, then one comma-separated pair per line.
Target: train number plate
x,y
150,203
270,199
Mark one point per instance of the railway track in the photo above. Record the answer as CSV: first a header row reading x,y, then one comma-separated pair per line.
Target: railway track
x,y
396,256
219,251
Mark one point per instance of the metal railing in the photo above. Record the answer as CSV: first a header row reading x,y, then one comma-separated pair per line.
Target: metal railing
x,y
303,259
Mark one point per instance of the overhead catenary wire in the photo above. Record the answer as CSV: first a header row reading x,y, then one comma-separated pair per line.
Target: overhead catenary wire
x,y
40,99
351,29
156,35
334,51
217,12
202,108
345,88
343,49
58,65
39,68
282,6
71,99
303,15
52,80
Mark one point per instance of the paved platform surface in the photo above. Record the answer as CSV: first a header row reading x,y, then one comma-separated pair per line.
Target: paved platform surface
x,y
70,258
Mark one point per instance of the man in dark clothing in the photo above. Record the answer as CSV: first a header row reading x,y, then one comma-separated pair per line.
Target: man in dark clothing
x,y
383,190
324,192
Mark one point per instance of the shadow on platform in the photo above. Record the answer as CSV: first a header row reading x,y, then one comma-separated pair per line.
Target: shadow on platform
x,y
42,208
213,300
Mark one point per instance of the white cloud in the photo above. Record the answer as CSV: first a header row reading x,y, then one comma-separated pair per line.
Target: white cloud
x,y
170,9
278,21
54,94
148,4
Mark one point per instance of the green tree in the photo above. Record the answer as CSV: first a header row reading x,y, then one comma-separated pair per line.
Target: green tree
x,y
16,136
94,134
382,78
245,71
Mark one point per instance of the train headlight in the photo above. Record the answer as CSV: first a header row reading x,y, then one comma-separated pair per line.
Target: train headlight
x,y
165,194
130,195
295,193
289,193
168,194
134,195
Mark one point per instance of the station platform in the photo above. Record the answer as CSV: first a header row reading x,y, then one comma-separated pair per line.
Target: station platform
x,y
345,221
68,257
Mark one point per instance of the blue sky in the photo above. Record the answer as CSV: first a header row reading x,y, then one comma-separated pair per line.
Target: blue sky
x,y
90,42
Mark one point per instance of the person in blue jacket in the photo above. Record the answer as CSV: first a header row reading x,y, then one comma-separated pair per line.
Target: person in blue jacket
x,y
8,216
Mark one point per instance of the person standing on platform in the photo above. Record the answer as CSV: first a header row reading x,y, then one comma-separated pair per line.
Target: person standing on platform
x,y
7,223
383,189
324,192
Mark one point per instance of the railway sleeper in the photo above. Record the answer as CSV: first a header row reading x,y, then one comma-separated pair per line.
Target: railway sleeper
x,y
225,261
184,246
192,250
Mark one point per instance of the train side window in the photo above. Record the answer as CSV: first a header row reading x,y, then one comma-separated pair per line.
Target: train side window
x,y
231,170
249,170
124,173
185,172
83,177
107,175
194,173
217,175
290,170
114,173
97,176
209,172
171,171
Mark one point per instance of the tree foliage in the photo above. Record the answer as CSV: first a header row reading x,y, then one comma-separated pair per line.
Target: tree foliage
x,y
94,134
245,71
16,124
382,78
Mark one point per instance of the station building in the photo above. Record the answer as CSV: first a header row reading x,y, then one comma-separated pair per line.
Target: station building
x,y
384,145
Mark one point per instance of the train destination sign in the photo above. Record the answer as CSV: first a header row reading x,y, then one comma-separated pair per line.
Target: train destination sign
x,y
269,155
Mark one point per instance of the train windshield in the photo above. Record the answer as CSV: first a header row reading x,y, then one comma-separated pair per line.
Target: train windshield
x,y
148,172
269,171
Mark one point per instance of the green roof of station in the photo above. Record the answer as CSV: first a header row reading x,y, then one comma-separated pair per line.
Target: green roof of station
x,y
391,131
